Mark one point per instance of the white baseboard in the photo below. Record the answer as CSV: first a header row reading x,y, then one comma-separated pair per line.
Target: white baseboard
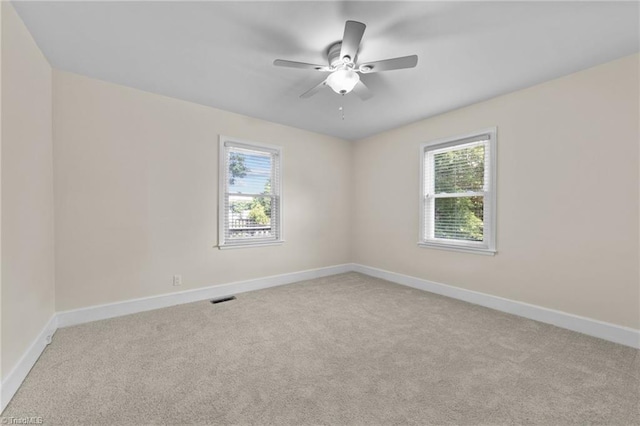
x,y
15,378
615,333
132,306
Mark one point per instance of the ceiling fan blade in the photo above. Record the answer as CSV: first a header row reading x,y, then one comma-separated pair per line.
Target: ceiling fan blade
x,y
389,64
362,91
301,65
353,32
309,93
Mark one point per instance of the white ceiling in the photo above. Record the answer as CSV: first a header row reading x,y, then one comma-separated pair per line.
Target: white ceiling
x,y
221,53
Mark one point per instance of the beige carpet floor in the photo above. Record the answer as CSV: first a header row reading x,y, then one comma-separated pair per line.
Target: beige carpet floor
x,y
346,349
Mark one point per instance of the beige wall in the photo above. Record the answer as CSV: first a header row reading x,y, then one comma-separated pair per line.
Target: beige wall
x,y
27,190
136,191
136,183
567,196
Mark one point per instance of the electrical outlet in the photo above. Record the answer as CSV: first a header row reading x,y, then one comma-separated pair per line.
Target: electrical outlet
x,y
177,280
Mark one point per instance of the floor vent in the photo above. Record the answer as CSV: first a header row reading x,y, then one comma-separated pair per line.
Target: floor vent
x,y
223,299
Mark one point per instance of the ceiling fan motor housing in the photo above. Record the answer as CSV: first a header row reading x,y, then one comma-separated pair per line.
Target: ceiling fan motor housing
x,y
333,54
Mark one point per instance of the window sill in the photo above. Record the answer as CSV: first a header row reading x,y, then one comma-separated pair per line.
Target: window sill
x,y
463,249
250,244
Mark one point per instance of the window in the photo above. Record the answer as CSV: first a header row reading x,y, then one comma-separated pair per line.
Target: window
x,y
250,201
458,203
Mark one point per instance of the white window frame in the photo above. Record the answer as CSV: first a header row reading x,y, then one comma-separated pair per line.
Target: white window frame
x,y
488,246
222,191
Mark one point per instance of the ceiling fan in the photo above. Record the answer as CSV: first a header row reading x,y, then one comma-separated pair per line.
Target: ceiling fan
x,y
342,56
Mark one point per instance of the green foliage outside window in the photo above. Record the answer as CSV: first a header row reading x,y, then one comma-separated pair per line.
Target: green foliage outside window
x,y
459,171
237,168
266,201
258,214
240,206
259,209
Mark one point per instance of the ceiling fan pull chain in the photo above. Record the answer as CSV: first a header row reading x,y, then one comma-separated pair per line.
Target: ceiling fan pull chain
x,y
341,109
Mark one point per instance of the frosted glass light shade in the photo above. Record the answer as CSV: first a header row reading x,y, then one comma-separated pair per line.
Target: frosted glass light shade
x,y
343,81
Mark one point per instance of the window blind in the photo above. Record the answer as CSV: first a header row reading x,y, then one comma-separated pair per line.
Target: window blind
x,y
251,198
456,187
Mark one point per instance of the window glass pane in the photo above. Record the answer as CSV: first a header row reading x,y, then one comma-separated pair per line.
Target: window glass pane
x,y
459,170
250,217
459,218
250,200
249,172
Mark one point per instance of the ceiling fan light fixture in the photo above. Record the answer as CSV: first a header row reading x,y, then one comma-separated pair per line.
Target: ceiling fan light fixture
x,y
343,81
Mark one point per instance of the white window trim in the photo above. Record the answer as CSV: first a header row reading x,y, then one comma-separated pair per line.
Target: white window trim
x,y
222,176
488,247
